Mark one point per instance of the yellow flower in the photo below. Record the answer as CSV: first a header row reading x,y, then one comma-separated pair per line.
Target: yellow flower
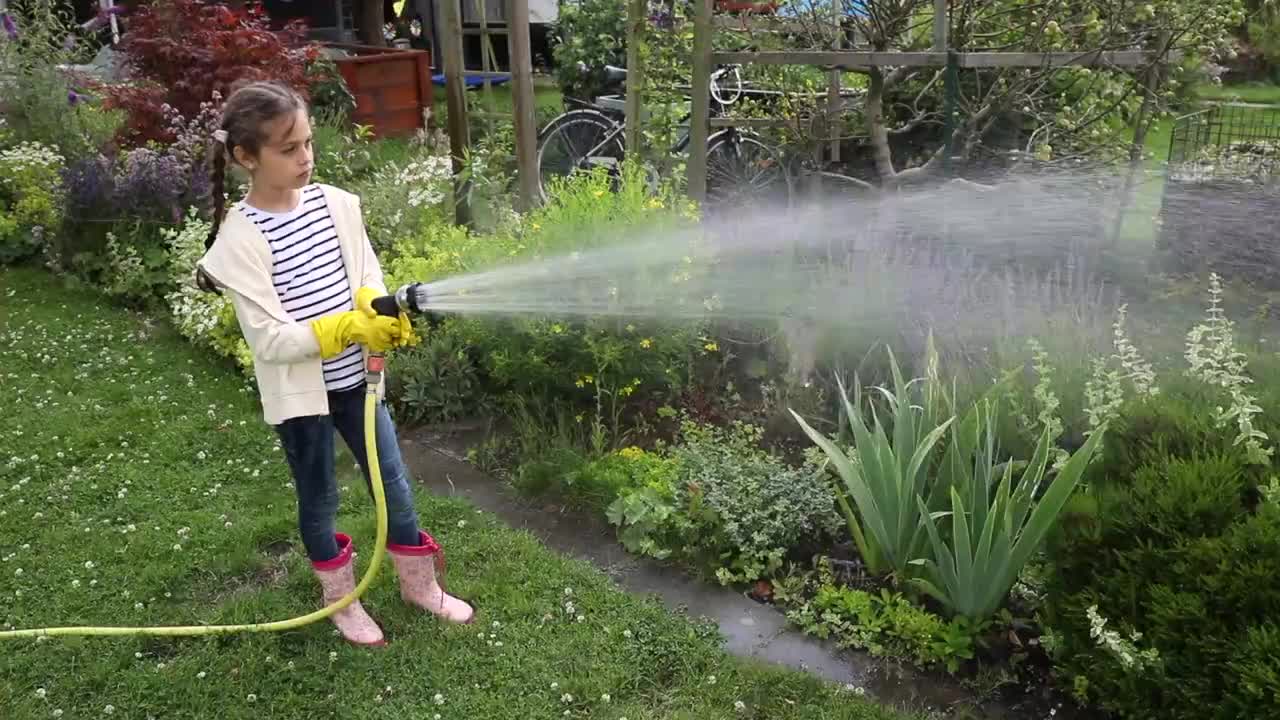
x,y
580,383
646,343
631,328
578,418
557,328
599,193
655,204
631,453
535,226
711,347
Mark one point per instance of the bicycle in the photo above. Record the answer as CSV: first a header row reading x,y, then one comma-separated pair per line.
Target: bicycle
x,y
736,159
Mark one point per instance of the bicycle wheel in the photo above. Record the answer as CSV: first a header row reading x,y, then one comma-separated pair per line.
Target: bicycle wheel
x,y
744,172
565,146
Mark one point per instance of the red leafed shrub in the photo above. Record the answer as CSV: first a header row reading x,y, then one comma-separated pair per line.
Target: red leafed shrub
x,y
180,52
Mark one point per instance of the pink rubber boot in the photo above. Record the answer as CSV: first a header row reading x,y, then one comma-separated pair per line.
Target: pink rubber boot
x,y
337,577
416,566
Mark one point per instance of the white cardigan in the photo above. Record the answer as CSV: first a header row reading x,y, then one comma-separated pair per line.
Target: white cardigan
x,y
286,354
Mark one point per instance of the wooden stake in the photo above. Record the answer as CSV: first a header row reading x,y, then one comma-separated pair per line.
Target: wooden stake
x,y
635,74
450,29
522,94
701,99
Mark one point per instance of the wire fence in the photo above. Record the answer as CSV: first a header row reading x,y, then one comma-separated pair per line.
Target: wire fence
x,y
1226,142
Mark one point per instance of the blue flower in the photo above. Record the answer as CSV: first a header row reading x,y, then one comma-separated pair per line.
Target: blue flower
x,y
10,27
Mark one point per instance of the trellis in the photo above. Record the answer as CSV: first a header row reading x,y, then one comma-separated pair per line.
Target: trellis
x,y
941,56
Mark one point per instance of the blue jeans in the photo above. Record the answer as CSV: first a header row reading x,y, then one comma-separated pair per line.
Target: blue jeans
x,y
309,445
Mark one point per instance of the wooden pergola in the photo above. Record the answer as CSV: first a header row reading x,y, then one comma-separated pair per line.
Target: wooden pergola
x,y
941,56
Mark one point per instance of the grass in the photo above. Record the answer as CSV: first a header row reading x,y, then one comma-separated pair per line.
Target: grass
x,y
1255,92
139,486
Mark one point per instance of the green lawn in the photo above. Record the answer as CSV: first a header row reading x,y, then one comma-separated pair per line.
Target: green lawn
x,y
138,486
1265,93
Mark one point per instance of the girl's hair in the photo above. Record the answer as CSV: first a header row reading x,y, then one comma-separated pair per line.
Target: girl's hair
x,y
245,116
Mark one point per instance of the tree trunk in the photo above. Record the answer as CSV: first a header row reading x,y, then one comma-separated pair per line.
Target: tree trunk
x,y
877,126
370,22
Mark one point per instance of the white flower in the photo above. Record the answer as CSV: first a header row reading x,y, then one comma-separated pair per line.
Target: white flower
x,y
566,698
740,706
438,699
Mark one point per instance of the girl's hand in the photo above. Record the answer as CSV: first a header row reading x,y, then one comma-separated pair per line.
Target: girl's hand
x,y
364,300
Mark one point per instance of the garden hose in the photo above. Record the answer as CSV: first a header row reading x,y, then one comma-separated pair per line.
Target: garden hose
x,y
374,370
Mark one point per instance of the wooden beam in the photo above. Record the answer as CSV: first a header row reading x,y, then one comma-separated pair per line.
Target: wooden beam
x,y
450,23
831,58
701,100
635,73
755,123
858,59
522,94
1091,58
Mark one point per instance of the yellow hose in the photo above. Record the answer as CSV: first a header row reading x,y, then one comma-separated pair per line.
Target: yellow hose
x,y
380,546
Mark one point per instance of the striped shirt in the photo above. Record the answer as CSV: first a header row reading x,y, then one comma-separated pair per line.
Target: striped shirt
x,y
309,274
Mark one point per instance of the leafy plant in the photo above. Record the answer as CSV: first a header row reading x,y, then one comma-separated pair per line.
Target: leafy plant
x,y
886,623
720,502
183,51
884,476
31,199
436,381
993,537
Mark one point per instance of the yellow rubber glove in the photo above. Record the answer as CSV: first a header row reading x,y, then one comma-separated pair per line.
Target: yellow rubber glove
x,y
336,332
407,337
364,300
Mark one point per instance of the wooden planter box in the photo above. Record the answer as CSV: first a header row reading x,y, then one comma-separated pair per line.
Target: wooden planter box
x,y
392,87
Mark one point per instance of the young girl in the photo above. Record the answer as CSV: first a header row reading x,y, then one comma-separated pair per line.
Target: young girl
x,y
302,275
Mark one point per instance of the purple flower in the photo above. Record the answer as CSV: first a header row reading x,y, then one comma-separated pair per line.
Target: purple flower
x,y
10,27
73,97
69,43
90,185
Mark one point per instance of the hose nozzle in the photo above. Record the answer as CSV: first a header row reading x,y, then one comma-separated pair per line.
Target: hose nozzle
x,y
411,298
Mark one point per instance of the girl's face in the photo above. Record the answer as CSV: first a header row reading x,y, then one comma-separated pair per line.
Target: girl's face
x,y
286,159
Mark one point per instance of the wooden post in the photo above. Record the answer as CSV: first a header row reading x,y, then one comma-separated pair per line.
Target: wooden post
x,y
450,24
834,103
486,48
940,25
635,74
522,94
701,99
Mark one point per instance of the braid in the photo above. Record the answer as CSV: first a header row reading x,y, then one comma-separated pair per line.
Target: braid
x,y
218,180
218,191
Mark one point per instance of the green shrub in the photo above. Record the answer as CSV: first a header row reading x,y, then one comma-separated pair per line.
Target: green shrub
x,y
1152,598
31,200
1178,423
603,366
729,507
590,32
436,381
